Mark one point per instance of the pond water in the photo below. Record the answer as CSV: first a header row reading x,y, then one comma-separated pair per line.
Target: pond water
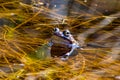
x,y
26,30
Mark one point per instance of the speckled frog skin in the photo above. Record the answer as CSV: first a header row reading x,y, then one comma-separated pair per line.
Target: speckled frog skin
x,y
63,44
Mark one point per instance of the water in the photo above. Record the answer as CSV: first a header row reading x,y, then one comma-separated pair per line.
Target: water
x,y
95,25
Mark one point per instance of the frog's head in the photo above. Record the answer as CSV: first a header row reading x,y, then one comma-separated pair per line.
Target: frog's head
x,y
66,35
61,36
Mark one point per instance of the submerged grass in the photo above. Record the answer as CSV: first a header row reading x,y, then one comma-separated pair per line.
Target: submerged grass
x,y
25,30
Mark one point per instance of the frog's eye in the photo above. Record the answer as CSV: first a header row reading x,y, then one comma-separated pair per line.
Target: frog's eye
x,y
56,30
66,33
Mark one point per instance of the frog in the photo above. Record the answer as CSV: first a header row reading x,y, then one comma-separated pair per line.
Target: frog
x,y
63,44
